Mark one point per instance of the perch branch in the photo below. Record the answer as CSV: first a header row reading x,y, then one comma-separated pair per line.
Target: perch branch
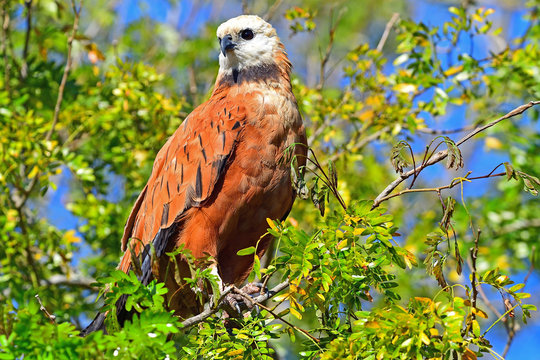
x,y
211,311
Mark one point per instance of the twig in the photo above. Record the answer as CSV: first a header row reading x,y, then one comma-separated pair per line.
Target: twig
x,y
441,155
444,132
49,316
438,189
24,65
4,46
511,325
211,311
75,280
326,57
359,145
26,193
249,299
388,27
67,68
272,11
474,257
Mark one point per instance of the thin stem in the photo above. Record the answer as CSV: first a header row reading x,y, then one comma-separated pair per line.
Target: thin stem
x,y
438,189
474,257
387,29
24,66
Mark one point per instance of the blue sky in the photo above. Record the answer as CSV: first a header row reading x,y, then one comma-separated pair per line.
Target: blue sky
x,y
430,12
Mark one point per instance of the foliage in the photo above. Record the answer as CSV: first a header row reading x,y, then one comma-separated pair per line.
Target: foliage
x,y
421,269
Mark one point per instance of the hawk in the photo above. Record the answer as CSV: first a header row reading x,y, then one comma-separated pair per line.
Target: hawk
x,y
221,174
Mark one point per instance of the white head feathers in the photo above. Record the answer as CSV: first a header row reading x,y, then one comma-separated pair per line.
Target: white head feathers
x,y
246,41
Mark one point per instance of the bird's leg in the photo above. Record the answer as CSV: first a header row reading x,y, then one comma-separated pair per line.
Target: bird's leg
x,y
239,300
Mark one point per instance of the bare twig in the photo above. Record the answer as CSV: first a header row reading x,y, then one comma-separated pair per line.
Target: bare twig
x,y
388,27
211,311
358,145
444,132
272,11
67,68
474,257
438,189
26,193
49,316
328,52
4,44
24,66
441,155
75,280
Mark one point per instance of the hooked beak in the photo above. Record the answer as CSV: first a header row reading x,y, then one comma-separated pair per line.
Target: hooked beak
x,y
227,44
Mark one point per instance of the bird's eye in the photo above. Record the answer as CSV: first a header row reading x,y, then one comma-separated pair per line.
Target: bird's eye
x,y
247,34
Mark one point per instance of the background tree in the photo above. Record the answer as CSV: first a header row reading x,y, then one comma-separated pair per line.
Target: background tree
x,y
421,117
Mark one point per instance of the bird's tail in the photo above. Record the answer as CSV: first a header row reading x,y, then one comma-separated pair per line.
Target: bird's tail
x,y
98,324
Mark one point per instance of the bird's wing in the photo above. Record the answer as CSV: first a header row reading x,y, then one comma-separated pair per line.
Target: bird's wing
x,y
185,172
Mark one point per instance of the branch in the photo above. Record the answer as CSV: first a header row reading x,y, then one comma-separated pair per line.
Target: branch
x,y
438,189
388,27
75,280
26,193
474,257
444,132
4,44
49,316
67,68
441,155
249,299
24,66
211,311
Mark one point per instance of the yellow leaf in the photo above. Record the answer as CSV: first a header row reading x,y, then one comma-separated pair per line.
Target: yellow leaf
x,y
433,332
358,231
468,355
453,70
489,12
235,352
70,237
373,101
405,88
296,313
271,224
493,143
366,115
424,338
480,313
477,17
33,173
342,244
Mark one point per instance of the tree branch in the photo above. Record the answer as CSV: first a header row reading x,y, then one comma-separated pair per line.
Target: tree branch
x,y
249,299
211,311
438,189
386,33
24,66
26,193
441,155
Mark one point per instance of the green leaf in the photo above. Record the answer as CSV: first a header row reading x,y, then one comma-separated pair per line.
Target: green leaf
x,y
247,251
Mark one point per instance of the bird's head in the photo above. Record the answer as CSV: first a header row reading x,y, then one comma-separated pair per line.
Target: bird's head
x,y
248,43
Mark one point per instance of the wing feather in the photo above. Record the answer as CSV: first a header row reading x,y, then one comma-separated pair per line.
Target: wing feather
x,y
184,174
